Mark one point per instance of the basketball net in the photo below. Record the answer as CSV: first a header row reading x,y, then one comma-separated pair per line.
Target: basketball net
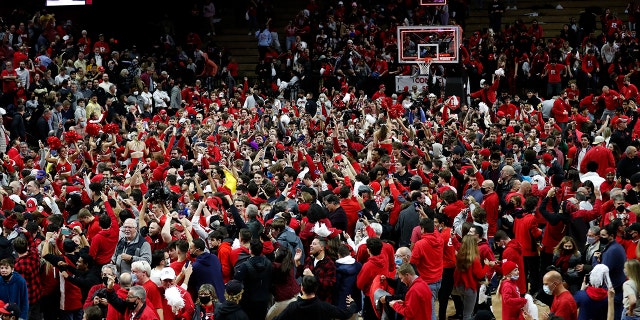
x,y
424,66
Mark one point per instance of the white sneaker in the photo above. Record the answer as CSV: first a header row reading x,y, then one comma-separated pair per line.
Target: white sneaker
x,y
559,7
507,8
250,33
514,8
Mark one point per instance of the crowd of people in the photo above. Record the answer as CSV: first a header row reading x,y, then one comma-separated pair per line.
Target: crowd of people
x,y
158,183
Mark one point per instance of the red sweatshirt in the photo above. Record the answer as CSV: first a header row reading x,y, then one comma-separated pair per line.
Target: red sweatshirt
x,y
469,279
104,243
427,256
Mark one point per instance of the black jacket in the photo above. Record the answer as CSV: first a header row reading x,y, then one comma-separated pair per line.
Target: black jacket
x,y
255,274
229,311
314,309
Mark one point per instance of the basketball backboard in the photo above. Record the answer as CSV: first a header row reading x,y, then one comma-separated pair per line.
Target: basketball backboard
x,y
441,43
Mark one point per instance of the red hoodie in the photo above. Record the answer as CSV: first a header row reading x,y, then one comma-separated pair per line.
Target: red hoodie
x,y
513,252
512,303
427,256
376,265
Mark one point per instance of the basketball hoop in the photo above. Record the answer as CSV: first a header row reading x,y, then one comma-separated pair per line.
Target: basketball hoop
x,y
424,66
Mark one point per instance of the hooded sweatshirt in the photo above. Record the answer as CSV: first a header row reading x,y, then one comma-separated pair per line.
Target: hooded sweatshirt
x,y
513,252
427,256
255,274
376,265
592,303
206,269
229,311
347,270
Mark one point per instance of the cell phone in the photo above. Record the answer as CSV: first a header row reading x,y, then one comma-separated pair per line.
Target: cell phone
x,y
390,176
65,231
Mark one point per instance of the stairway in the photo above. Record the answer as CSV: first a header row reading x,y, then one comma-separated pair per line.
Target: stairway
x,y
550,18
234,38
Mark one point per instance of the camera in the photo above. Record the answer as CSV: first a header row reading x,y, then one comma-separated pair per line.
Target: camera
x,y
157,194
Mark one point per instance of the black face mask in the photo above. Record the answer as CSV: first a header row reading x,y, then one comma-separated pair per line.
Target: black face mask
x,y
621,208
131,305
483,190
105,280
604,241
567,251
205,299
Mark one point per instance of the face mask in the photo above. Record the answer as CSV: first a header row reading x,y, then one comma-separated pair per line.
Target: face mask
x,y
547,290
515,277
134,278
567,251
604,241
131,304
351,128
591,240
205,299
135,93
621,208
483,190
398,261
105,280
7,278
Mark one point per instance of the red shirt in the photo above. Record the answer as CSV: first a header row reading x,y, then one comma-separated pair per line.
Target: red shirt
x,y
9,85
565,306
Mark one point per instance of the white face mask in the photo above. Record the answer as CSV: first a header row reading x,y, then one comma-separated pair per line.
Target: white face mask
x,y
351,128
135,93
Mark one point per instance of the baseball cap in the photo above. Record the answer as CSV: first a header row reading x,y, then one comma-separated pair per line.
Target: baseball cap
x,y
178,227
97,178
41,174
622,119
11,309
234,287
364,188
32,205
167,273
598,140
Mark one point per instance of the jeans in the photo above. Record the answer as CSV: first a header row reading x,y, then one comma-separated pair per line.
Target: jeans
x,y
444,293
469,299
532,272
435,288
606,113
626,317
72,315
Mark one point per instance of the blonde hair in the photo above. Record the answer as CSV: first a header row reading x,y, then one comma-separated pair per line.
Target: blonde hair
x,y
467,254
234,298
633,270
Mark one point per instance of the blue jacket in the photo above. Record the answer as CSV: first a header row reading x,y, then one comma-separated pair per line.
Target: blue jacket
x,y
15,290
207,269
347,269
614,257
